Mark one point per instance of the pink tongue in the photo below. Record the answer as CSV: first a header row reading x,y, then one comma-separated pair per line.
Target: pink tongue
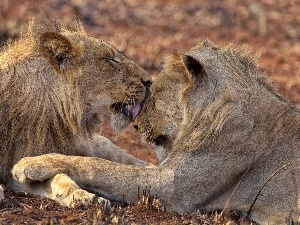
x,y
136,110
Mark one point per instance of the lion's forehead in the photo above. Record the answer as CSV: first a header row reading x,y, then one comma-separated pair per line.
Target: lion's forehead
x,y
93,46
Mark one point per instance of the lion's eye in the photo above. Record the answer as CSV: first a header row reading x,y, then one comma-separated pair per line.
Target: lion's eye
x,y
114,60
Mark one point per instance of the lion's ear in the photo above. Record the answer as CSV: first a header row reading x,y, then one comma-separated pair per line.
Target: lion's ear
x,y
56,48
194,67
188,67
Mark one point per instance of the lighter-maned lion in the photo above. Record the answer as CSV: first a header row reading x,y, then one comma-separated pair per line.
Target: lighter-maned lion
x,y
223,135
55,85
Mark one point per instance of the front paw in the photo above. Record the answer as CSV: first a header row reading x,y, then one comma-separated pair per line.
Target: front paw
x,y
37,168
68,193
77,197
81,197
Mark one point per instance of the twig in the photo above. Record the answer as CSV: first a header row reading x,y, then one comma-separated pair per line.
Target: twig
x,y
139,193
259,192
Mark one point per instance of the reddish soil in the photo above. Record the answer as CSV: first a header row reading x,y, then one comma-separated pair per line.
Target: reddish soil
x,y
146,31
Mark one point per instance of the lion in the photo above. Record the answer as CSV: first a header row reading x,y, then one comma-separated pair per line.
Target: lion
x,y
225,139
56,85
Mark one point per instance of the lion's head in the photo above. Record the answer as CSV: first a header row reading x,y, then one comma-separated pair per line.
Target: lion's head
x,y
202,92
108,82
57,83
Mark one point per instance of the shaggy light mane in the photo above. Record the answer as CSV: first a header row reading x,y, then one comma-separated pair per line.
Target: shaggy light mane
x,y
37,106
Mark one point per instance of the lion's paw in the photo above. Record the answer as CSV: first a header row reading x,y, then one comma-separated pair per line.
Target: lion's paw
x,y
37,168
68,193
27,171
81,197
77,197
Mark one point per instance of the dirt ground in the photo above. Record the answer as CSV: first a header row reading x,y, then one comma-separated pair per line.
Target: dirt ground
x,y
146,31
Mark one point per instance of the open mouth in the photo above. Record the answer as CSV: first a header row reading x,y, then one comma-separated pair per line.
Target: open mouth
x,y
131,111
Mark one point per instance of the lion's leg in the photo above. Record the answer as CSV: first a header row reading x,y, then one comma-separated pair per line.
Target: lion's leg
x,y
60,188
101,147
117,181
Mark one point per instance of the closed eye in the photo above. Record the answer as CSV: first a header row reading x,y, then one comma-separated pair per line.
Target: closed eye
x,y
114,60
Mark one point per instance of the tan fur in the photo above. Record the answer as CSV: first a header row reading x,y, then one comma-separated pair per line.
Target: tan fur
x,y
55,85
223,135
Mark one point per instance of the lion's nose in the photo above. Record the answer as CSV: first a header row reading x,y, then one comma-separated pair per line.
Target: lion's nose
x,y
135,125
146,82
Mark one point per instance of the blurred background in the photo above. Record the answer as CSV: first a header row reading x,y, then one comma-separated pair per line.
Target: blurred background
x,y
147,30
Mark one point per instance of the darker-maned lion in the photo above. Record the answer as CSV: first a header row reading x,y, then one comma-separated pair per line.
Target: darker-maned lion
x,y
224,137
55,84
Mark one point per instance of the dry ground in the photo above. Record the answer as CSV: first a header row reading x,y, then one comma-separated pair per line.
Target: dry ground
x,y
146,31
